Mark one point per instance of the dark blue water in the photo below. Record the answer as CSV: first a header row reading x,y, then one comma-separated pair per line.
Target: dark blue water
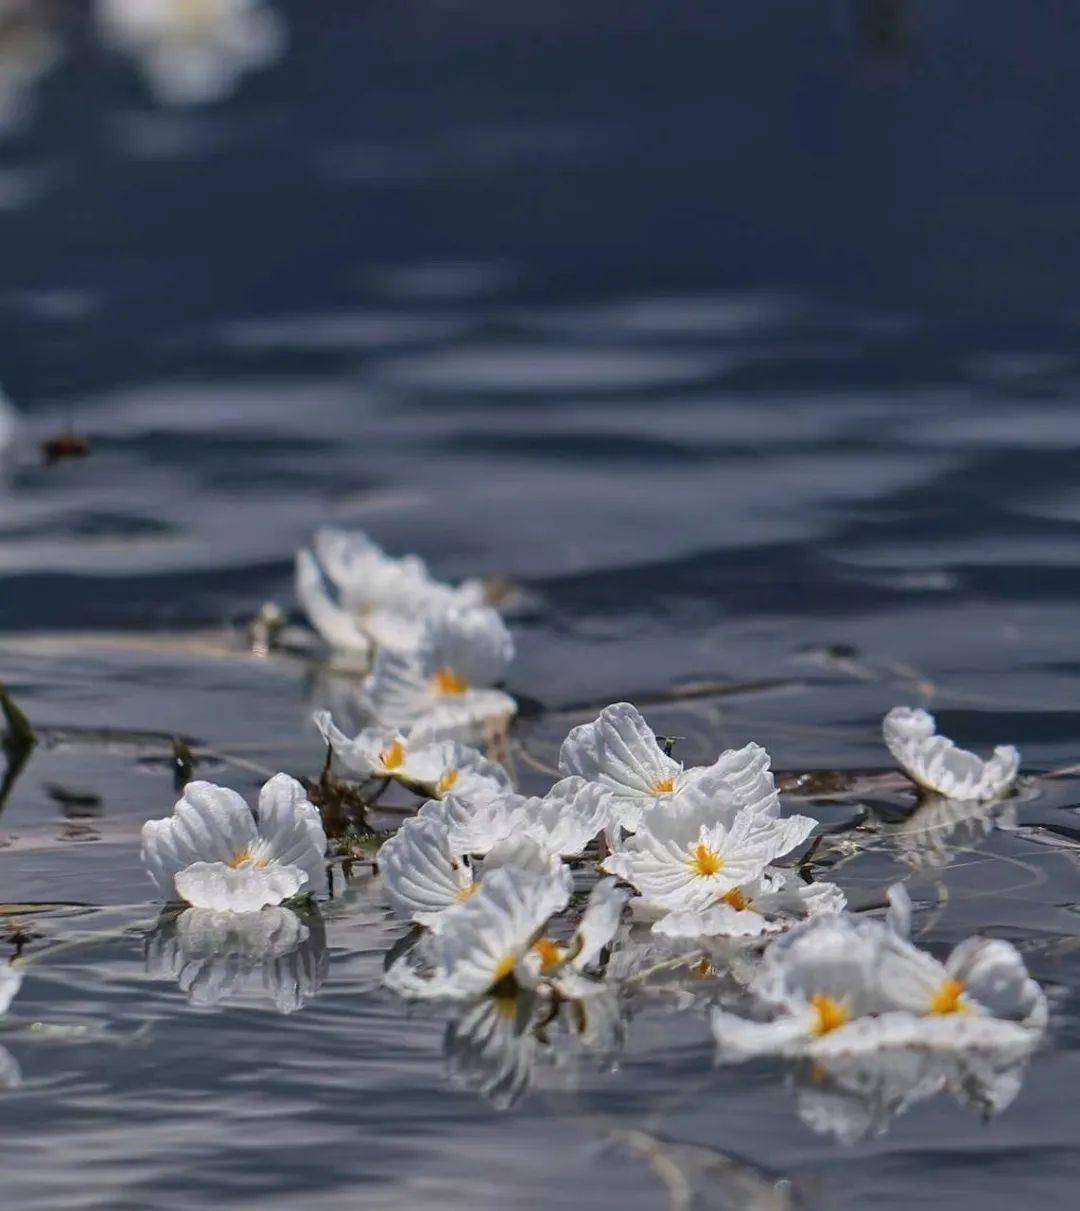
x,y
741,337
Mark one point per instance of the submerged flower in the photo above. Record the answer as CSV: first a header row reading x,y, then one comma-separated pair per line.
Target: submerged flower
x,y
193,51
422,874
620,752
936,764
378,599
216,955
564,966
770,903
482,942
703,849
444,687
214,852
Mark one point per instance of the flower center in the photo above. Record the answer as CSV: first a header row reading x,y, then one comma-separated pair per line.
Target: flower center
x,y
551,953
705,861
446,681
829,1013
735,899
465,892
446,782
394,756
664,787
503,969
949,998
249,857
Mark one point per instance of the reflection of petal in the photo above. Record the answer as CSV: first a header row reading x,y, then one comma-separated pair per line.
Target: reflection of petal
x,y
857,1096
939,827
213,955
10,1073
491,1049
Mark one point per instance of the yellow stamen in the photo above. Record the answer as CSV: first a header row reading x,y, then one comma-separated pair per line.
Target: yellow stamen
x,y
703,969
551,953
465,892
503,969
664,787
705,861
394,756
245,857
735,899
506,1007
949,998
446,681
831,1013
446,782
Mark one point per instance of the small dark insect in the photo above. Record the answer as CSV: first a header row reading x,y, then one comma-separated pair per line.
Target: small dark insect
x,y
68,444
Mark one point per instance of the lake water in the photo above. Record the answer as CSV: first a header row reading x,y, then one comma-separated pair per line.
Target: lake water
x,y
743,340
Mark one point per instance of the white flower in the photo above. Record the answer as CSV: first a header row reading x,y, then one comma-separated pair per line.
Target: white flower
x,y
444,686
820,980
982,978
769,904
481,943
193,51
377,598
936,764
619,751
423,875
472,826
215,955
213,852
429,767
840,987
703,848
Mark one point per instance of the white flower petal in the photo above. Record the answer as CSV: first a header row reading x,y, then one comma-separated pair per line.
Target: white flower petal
x,y
337,626
935,763
599,923
11,979
420,874
243,889
291,828
620,751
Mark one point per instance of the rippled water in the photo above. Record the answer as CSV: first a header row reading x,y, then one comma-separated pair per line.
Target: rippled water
x,y
742,341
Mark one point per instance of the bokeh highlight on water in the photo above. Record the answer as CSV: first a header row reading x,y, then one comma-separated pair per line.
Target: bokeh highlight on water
x,y
742,339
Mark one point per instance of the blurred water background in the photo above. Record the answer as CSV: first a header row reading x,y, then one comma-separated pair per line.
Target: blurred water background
x,y
742,337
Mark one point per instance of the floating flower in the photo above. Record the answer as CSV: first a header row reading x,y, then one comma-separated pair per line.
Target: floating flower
x,y
620,751
423,875
983,978
213,852
936,764
770,903
820,981
215,955
193,51
378,598
432,768
842,987
444,687
482,942
703,848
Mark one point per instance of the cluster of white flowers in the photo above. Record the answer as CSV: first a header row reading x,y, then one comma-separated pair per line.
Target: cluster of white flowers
x,y
629,862
436,652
